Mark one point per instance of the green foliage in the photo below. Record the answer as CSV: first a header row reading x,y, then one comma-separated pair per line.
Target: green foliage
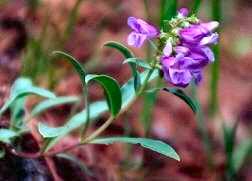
x,y
229,134
138,62
168,9
215,68
53,135
35,61
21,88
242,151
196,6
181,94
193,104
154,145
112,91
51,103
82,75
146,115
96,109
2,153
6,135
75,63
236,154
127,53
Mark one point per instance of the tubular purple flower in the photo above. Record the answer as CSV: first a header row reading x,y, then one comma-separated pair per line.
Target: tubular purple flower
x,y
183,12
186,65
141,31
168,48
195,33
211,39
175,70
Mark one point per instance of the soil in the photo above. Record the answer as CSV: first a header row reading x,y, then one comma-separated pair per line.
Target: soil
x,y
173,122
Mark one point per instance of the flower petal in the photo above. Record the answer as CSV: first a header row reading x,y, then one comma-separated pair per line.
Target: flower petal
x,y
183,12
180,78
210,26
167,61
168,48
147,29
133,23
182,49
209,53
197,74
211,39
136,39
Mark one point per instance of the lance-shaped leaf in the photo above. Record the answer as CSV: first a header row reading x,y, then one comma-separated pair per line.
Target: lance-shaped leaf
x,y
127,53
77,66
54,134
242,151
18,92
2,153
82,75
50,103
112,91
138,62
181,94
6,135
154,145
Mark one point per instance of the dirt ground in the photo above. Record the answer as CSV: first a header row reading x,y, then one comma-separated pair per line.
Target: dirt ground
x,y
173,122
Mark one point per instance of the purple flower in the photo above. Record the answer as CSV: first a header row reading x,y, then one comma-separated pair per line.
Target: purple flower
x,y
190,55
186,65
175,70
141,32
211,39
183,12
200,55
168,48
200,34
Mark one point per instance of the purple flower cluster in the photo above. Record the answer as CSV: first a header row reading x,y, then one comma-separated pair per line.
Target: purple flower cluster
x,y
184,60
191,55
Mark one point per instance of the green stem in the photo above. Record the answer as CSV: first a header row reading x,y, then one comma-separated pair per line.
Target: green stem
x,y
86,99
105,125
213,104
168,9
196,6
202,127
71,20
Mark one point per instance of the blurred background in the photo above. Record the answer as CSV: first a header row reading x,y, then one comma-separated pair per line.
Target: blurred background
x,y
31,29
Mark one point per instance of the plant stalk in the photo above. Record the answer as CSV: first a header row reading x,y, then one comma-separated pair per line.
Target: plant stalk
x,y
111,118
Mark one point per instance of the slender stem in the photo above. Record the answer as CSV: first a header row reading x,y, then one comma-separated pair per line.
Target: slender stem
x,y
146,8
93,135
202,127
85,127
196,6
71,20
216,14
99,130
111,118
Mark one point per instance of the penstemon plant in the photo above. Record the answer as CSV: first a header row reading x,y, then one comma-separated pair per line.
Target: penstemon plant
x,y
182,50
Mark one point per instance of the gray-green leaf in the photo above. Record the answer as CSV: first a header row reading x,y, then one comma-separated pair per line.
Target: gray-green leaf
x,y
50,103
240,154
18,92
54,134
112,90
181,94
127,53
6,135
138,62
154,145
77,66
